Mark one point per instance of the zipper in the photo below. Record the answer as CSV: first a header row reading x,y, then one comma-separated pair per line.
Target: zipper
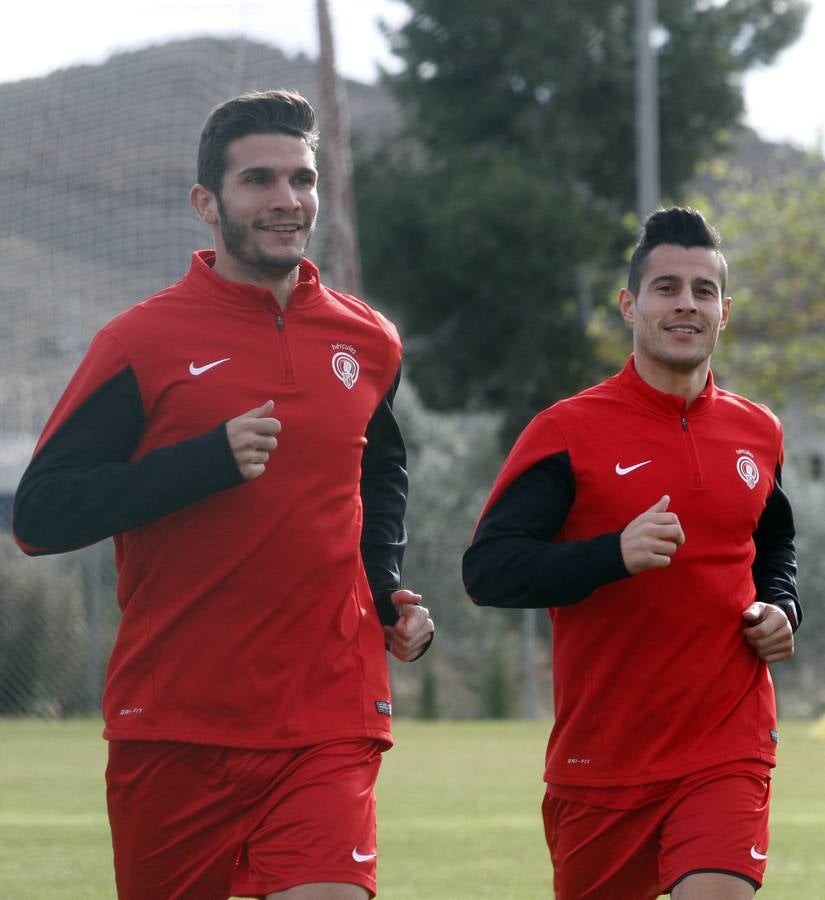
x,y
287,365
693,456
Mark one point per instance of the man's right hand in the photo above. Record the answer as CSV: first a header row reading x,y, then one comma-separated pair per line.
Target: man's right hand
x,y
252,438
652,538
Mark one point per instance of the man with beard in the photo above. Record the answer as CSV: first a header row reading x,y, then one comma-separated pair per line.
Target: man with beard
x,y
647,514
235,434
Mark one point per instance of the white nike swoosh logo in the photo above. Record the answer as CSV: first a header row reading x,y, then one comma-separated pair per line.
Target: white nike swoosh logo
x,y
362,857
621,470
199,370
756,854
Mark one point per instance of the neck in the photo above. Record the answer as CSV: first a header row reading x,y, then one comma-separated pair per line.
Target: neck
x,y
688,383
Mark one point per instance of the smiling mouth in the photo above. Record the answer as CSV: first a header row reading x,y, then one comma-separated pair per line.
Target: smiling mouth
x,y
682,329
280,229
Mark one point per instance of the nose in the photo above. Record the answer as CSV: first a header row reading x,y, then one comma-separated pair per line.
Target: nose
x,y
282,195
685,301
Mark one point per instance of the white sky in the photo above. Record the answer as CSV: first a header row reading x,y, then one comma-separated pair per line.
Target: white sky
x,y
783,103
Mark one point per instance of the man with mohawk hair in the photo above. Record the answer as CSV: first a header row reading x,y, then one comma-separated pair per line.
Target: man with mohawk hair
x,y
647,514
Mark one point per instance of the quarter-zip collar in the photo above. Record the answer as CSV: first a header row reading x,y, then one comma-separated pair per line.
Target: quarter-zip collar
x,y
662,403
203,279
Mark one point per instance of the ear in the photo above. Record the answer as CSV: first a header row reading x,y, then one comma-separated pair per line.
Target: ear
x,y
725,313
204,203
627,305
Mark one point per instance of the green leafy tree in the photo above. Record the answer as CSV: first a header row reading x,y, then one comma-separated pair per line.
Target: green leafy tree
x,y
484,259
771,227
497,221
558,79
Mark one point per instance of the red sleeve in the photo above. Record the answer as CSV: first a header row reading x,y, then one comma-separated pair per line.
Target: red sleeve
x,y
540,439
83,485
103,361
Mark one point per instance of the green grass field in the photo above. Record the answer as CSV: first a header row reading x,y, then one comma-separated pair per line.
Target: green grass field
x,y
458,813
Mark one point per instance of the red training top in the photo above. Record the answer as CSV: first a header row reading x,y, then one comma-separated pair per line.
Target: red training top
x,y
653,678
248,619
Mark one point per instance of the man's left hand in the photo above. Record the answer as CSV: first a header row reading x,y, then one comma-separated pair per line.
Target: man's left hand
x,y
412,632
768,631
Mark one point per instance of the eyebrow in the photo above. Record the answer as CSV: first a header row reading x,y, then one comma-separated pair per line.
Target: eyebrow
x,y
707,282
268,170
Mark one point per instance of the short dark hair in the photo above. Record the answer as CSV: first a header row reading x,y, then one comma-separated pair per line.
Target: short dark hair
x,y
256,112
679,225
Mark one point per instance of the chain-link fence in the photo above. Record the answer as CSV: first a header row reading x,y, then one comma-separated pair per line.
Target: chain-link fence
x,y
95,168
57,623
96,163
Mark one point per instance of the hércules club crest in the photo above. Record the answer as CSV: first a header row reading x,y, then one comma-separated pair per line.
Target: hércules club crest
x,y
747,468
345,365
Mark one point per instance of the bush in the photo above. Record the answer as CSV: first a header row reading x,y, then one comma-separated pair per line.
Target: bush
x,y
57,623
800,681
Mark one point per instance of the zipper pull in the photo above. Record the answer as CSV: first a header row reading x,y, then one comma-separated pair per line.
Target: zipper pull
x,y
684,423
279,321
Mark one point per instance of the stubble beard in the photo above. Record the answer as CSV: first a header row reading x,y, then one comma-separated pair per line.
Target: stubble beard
x,y
685,363
234,236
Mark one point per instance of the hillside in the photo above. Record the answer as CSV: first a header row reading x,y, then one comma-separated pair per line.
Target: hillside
x,y
96,163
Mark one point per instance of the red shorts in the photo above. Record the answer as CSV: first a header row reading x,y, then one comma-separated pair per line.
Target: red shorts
x,y
711,821
194,822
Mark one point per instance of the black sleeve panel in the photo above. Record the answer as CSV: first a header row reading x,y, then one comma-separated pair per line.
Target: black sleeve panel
x,y
510,562
774,566
384,496
81,486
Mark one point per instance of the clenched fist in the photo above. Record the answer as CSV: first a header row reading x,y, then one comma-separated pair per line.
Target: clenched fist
x,y
252,438
652,538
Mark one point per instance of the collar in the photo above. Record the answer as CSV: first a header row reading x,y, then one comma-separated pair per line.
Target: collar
x,y
205,280
665,404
